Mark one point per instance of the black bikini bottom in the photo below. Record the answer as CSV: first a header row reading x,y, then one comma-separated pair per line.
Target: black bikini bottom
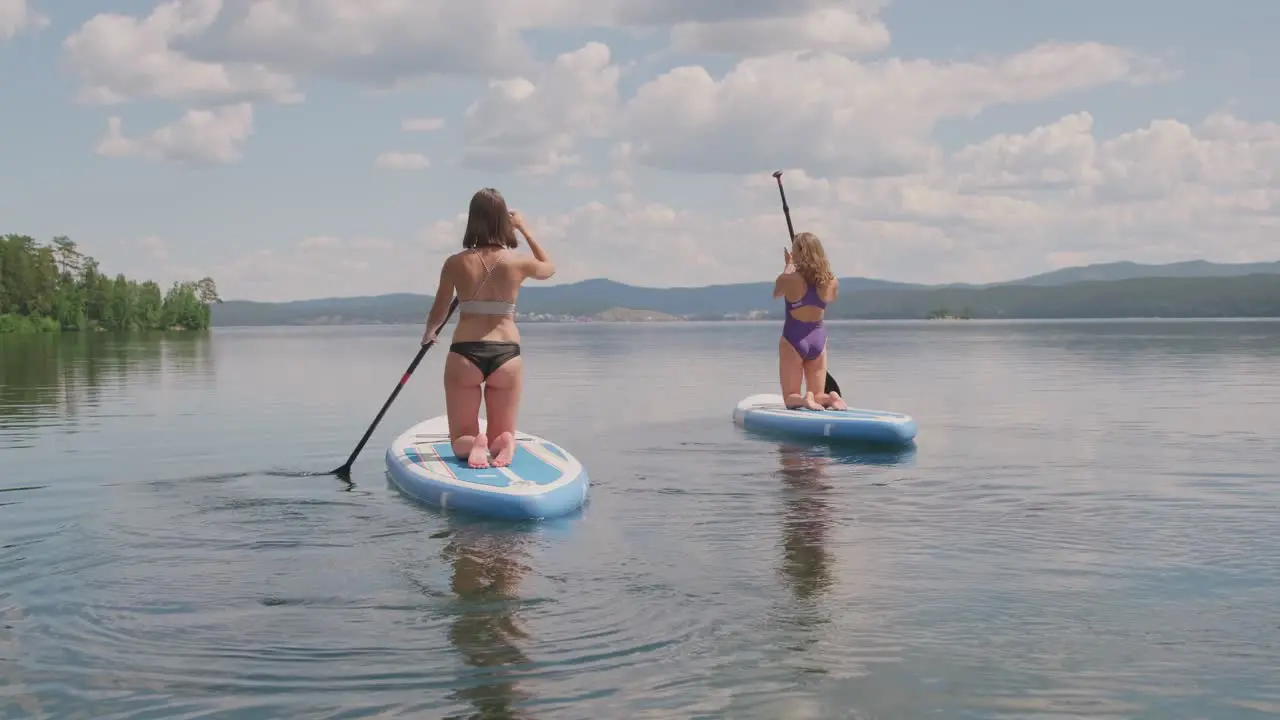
x,y
487,355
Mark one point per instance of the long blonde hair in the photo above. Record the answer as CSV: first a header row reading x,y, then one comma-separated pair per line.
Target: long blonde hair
x,y
811,260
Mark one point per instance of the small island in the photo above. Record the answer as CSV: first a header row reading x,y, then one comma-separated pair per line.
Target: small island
x,y
621,314
56,288
945,314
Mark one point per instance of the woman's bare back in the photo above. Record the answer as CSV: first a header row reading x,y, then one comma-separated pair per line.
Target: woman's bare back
x,y
503,272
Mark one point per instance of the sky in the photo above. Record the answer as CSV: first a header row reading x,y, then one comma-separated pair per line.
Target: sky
x,y
314,148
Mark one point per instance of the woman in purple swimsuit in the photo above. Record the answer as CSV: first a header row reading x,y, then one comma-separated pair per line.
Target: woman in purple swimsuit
x,y
808,286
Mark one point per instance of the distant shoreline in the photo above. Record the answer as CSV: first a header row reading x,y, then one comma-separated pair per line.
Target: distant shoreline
x,y
772,321
1252,295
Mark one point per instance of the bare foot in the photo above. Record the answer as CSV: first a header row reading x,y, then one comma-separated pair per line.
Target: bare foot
x,y
836,402
504,446
810,403
479,457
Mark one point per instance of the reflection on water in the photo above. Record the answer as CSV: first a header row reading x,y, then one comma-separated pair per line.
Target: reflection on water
x,y
56,377
806,521
488,566
809,515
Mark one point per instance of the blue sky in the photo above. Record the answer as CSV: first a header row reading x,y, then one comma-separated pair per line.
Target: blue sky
x,y
923,140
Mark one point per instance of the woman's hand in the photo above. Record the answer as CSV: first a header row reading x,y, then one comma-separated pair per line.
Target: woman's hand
x,y
428,336
786,260
517,222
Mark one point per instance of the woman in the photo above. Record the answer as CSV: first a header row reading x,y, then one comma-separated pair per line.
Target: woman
x,y
484,359
808,286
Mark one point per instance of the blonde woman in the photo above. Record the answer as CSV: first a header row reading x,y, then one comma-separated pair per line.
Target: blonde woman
x,y
808,286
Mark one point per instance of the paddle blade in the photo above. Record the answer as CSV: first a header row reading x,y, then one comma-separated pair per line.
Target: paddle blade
x,y
833,386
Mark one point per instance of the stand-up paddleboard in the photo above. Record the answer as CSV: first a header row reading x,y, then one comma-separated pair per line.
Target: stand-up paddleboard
x,y
542,481
768,413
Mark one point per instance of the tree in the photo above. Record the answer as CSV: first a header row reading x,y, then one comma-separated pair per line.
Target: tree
x,y
150,305
57,287
207,291
68,256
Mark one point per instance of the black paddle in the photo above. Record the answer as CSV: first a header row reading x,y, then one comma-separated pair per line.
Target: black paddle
x,y
832,386
346,467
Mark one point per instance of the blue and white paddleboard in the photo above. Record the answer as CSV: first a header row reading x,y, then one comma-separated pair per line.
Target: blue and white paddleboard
x,y
542,481
768,413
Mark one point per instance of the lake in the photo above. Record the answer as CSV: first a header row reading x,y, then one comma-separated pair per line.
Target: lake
x,y
1085,528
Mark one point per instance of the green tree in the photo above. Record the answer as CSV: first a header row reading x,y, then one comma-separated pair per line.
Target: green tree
x,y
68,256
150,305
57,287
207,291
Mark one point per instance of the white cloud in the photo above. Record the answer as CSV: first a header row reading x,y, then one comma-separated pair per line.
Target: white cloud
x,y
379,43
155,247
1059,195
984,213
422,124
121,58
531,126
1146,164
621,158
402,161
320,242
837,116
1059,154
634,241
358,244
385,42
17,16
886,196
252,49
321,266
199,137
927,227
582,181
841,29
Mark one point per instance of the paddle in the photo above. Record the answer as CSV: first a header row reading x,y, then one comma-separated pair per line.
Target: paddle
x,y
832,386
346,467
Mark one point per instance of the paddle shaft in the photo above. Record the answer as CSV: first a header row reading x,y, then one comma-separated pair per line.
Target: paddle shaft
x,y
404,379
786,210
831,385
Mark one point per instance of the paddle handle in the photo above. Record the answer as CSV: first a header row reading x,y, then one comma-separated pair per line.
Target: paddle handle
x,y
786,209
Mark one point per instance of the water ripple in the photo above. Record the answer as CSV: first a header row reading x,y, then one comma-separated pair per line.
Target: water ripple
x,y
1084,530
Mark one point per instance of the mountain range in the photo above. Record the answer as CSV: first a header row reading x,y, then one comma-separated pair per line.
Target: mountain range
x,y
1122,289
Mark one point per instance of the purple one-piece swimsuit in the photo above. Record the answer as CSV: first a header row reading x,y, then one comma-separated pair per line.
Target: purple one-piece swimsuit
x,y
808,338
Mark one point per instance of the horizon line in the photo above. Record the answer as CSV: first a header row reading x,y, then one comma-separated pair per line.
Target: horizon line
x,y
904,283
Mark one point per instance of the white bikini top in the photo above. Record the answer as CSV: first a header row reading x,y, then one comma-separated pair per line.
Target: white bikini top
x,y
487,307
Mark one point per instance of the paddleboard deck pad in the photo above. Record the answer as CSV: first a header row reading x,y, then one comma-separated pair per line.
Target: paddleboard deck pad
x,y
542,481
768,414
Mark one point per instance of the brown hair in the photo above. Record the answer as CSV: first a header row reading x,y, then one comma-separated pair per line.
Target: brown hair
x,y
811,260
488,221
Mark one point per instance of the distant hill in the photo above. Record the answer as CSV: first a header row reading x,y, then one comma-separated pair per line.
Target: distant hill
x,y
1130,270
1189,289
392,309
1255,295
587,298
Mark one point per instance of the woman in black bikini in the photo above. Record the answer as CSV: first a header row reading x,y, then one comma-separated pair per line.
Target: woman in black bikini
x,y
484,359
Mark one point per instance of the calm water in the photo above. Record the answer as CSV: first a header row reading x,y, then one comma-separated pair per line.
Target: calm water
x,y
1087,528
